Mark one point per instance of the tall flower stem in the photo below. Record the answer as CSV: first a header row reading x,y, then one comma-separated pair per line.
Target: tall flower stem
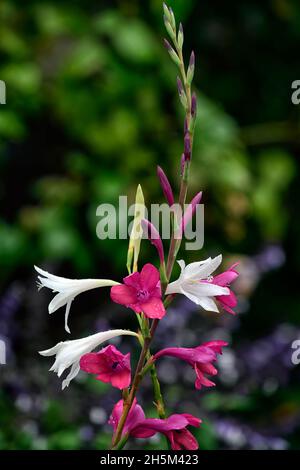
x,y
119,441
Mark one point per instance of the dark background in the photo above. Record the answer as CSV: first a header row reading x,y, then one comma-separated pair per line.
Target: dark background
x,y
91,109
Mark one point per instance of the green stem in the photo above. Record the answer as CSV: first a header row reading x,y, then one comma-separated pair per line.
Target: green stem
x,y
121,443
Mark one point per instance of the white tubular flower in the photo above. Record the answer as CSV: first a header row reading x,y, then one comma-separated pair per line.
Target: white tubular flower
x,y
194,282
68,353
67,289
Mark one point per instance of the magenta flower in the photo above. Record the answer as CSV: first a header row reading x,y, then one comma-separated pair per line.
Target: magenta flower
x,y
166,187
224,280
190,210
109,365
174,427
141,292
200,358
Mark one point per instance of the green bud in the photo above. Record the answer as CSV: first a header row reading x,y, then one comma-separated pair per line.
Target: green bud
x,y
172,19
166,11
191,69
174,56
169,29
180,36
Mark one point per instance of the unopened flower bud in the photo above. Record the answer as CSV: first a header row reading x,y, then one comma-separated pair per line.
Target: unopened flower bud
x,y
166,187
154,238
180,36
181,93
191,68
190,210
172,53
187,146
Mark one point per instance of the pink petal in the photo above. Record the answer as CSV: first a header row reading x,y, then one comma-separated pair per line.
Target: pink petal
x,y
116,414
149,277
121,379
142,433
208,369
124,295
228,300
227,277
153,308
133,280
192,420
185,440
202,380
135,416
191,355
174,422
105,376
216,345
91,363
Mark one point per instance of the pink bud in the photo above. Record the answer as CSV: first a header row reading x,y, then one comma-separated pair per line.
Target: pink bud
x,y
190,210
192,60
187,146
166,187
167,45
154,238
194,105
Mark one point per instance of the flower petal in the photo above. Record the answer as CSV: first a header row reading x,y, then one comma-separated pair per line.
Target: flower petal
x,y
154,308
149,277
124,295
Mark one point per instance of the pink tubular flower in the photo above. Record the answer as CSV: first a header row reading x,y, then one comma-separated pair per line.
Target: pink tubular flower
x,y
200,358
141,292
190,210
174,427
165,184
110,365
154,238
183,439
224,280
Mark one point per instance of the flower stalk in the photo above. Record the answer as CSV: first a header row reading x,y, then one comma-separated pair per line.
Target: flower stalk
x,y
185,94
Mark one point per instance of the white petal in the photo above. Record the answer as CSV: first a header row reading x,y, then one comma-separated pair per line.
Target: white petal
x,y
205,269
205,302
58,301
204,289
192,269
208,304
174,287
181,263
67,316
72,374
51,351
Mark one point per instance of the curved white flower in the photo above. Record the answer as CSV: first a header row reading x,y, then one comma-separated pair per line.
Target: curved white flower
x,y
67,289
68,353
194,282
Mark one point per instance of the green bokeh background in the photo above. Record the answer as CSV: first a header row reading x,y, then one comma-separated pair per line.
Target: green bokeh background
x,y
91,109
